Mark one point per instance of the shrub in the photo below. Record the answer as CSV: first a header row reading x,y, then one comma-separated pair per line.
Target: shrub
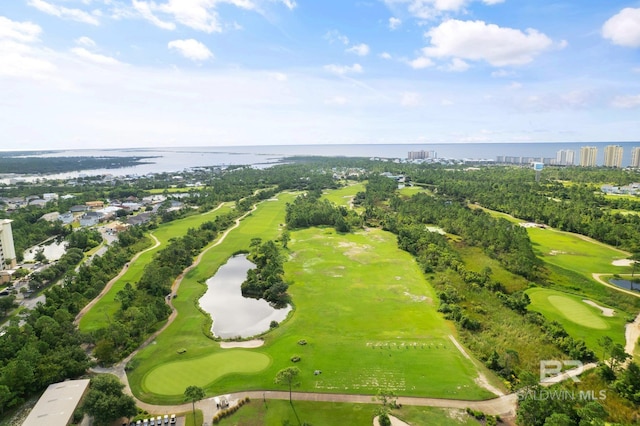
x,y
295,358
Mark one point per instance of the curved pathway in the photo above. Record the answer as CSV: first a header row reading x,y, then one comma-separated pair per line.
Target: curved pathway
x,y
107,287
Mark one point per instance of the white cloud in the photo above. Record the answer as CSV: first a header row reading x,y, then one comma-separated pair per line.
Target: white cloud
x,y
457,65
278,76
515,85
344,69
502,74
18,57
144,9
191,49
476,40
420,63
626,101
19,31
291,4
335,36
336,100
94,57
85,41
410,99
429,9
359,49
394,23
446,102
623,28
64,12
385,55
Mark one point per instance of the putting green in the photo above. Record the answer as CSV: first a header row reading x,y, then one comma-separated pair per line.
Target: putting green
x,y
576,312
173,378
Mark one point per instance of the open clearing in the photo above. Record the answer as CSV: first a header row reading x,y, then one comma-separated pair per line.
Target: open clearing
x,y
362,331
581,320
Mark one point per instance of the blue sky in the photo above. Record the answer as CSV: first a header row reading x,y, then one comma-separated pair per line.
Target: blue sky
x,y
136,73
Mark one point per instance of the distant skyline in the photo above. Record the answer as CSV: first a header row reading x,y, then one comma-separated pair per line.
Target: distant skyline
x,y
93,74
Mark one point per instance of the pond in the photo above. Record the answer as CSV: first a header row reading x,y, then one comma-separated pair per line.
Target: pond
x,y
53,250
626,284
233,314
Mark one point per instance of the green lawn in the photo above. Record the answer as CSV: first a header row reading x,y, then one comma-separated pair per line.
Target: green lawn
x,y
277,413
571,251
579,319
363,306
343,196
170,378
107,307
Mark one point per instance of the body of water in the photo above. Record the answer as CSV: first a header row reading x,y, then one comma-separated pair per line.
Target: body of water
x,y
233,314
626,284
181,158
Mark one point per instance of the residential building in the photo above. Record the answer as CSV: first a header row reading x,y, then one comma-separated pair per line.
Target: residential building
x,y
7,250
565,157
421,155
94,204
50,217
613,156
90,218
50,196
66,218
58,403
635,157
588,156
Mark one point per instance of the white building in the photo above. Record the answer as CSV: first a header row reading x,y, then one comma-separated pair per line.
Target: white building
x,y
588,156
7,251
613,156
565,157
635,157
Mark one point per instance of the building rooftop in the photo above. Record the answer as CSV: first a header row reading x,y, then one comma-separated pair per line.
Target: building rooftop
x,y
57,404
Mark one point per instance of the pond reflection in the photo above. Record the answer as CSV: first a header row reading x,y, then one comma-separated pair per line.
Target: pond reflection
x,y
233,314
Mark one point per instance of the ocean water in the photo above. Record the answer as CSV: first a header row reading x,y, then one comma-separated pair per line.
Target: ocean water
x,y
181,158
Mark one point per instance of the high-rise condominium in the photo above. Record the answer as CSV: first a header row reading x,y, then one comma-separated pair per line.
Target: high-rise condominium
x,y
565,157
588,155
613,156
7,251
635,156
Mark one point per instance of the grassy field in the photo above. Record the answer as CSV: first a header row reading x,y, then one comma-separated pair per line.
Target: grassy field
x,y
579,319
277,413
98,316
382,320
343,196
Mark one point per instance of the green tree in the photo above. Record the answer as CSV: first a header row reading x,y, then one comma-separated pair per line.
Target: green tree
x,y
7,303
559,419
605,342
193,394
106,402
288,377
39,256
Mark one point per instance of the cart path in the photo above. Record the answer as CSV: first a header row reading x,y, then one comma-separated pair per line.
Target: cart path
x,y
113,280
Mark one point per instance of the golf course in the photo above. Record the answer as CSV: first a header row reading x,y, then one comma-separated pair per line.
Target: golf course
x,y
364,320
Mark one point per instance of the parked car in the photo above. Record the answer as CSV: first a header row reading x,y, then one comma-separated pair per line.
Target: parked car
x,y
173,419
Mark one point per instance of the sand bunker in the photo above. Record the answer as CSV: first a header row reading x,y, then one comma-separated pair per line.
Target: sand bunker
x,y
607,312
256,343
622,262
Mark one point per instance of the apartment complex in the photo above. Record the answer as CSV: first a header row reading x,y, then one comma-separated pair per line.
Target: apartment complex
x,y
588,155
7,251
565,157
421,155
613,156
635,157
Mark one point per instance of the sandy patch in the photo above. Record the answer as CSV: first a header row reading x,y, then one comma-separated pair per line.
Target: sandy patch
x,y
394,421
256,343
556,252
607,312
481,380
632,334
622,262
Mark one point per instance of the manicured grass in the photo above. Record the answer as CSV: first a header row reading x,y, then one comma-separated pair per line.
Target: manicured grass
x,y
174,377
580,320
99,316
412,190
276,413
576,253
343,196
363,306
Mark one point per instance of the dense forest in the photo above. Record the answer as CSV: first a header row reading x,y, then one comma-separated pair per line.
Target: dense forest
x,y
44,165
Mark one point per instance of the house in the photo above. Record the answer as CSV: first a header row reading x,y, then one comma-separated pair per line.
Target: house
x,y
50,196
90,218
58,403
66,218
50,217
131,207
79,209
38,202
94,204
139,219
